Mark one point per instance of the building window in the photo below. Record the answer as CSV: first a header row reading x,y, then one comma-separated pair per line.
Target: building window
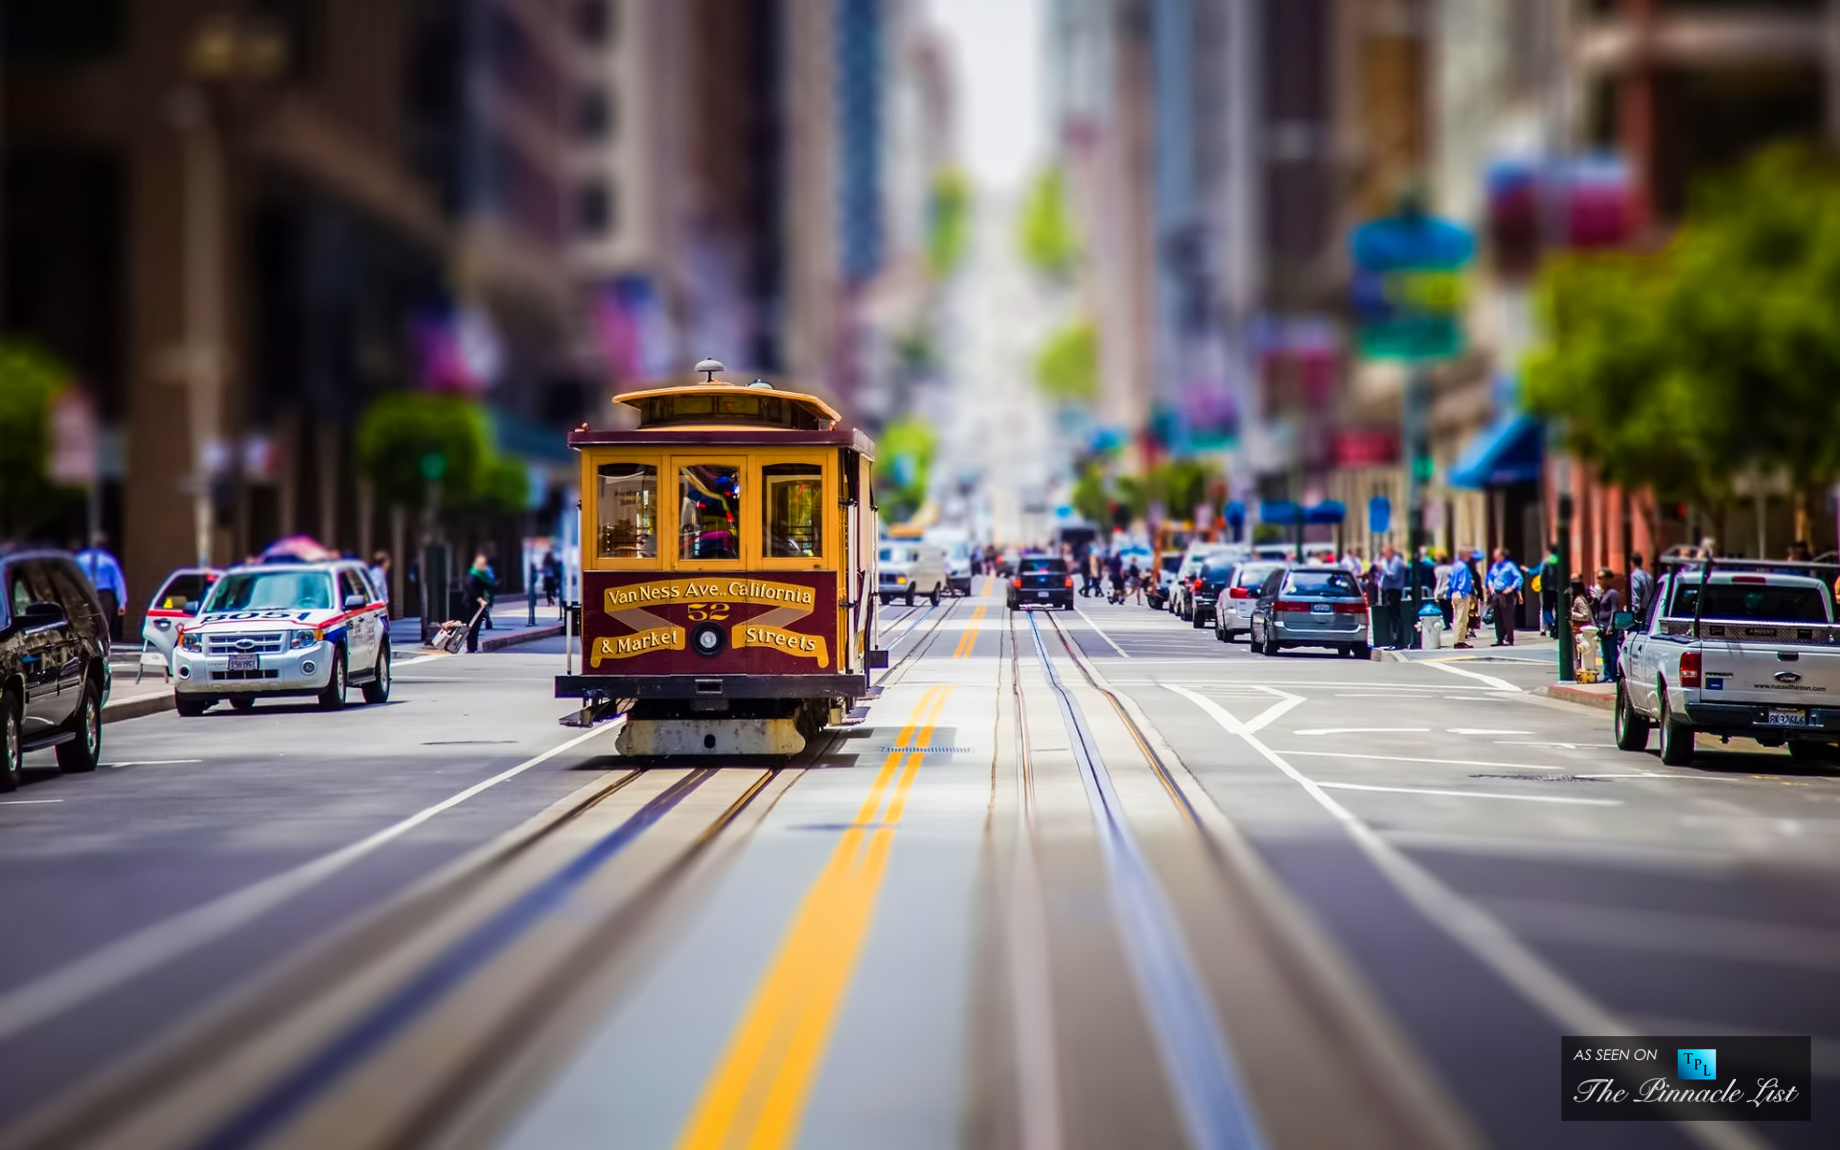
x,y
594,21
594,208
594,114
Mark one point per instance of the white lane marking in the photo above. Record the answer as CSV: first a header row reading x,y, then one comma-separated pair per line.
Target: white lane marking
x,y
1089,622
1567,746
414,659
1265,718
27,802
127,958
1363,731
148,763
1480,933
1475,794
1492,681
1659,775
1484,731
1435,762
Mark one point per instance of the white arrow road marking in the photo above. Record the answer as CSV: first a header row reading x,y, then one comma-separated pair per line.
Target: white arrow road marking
x,y
1492,681
1363,731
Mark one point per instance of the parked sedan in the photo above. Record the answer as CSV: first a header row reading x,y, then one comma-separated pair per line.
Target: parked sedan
x,y
1235,599
1310,607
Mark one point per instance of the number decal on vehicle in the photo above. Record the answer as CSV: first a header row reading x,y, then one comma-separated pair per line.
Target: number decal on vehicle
x,y
699,612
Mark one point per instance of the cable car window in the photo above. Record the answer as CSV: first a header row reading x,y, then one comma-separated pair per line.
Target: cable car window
x,y
709,512
793,495
628,511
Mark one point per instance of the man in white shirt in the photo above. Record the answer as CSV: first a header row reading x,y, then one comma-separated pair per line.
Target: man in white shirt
x,y
103,571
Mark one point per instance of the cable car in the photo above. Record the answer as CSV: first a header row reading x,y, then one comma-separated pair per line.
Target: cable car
x,y
728,570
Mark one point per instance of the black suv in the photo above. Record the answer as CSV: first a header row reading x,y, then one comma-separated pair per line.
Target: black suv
x,y
54,663
1042,580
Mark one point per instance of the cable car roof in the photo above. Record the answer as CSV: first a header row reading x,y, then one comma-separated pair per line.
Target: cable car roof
x,y
719,403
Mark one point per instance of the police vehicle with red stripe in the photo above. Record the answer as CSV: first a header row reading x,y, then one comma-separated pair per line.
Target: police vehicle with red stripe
x,y
285,629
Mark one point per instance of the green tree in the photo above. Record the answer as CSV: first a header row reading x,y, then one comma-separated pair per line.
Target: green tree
x,y
905,460
29,501
409,438
1090,497
948,223
1045,230
1716,357
1067,367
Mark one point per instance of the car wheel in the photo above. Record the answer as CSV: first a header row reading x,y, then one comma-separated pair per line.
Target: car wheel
x,y
333,697
243,703
1631,728
378,689
1199,621
82,753
1362,651
1676,738
934,597
12,752
910,596
1808,752
887,600
190,708
1271,646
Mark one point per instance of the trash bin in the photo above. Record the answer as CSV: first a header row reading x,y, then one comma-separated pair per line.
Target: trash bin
x,y
1431,627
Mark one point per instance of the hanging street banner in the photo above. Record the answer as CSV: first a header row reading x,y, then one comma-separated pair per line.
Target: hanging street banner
x,y
1410,286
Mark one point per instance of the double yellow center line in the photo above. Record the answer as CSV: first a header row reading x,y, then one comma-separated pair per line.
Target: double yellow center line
x,y
755,1096
969,639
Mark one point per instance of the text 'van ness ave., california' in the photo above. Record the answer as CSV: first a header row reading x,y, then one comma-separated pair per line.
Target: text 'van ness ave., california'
x,y
700,590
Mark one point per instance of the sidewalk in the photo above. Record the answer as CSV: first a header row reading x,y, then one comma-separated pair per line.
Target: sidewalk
x,y
510,628
1529,647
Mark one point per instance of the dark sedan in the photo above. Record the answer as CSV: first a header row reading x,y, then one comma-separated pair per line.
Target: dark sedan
x,y
1041,581
1310,607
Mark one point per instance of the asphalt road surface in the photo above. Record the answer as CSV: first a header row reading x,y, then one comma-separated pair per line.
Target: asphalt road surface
x,y
1086,879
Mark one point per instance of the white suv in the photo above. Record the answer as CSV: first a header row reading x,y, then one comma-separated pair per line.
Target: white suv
x,y
279,629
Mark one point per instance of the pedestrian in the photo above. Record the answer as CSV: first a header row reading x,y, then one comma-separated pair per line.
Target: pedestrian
x,y
1440,588
1115,569
1134,583
491,570
1609,603
552,578
1094,569
104,573
1505,583
1641,586
380,577
1389,614
1460,596
479,599
1549,592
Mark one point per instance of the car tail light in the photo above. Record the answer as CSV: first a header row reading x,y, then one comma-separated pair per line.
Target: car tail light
x,y
1016,582
1290,605
1352,607
1748,579
1689,668
1239,592
1069,580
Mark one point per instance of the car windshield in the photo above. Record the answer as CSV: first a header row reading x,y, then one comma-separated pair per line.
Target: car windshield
x,y
1321,583
894,555
1043,566
1753,601
272,591
1172,562
1217,573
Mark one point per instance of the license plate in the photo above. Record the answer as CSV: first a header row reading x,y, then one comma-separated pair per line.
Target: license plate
x,y
1043,594
243,663
1322,608
1787,717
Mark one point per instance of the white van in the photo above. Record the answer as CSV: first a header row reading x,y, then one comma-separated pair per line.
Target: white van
x,y
908,570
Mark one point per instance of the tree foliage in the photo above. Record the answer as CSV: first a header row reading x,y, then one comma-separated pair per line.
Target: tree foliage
x,y
1720,355
904,454
409,438
948,223
29,501
1067,367
1046,233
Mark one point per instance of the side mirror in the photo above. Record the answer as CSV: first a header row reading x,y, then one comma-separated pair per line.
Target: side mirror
x,y
42,614
192,606
354,601
1624,620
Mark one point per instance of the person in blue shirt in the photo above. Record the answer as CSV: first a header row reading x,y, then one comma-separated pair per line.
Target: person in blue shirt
x,y
103,571
1504,595
1389,610
1462,593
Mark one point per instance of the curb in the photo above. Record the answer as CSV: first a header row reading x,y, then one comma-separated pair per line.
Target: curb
x,y
115,712
500,642
1567,694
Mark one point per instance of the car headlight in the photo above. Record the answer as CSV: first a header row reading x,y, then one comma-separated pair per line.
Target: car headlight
x,y
191,641
301,637
900,578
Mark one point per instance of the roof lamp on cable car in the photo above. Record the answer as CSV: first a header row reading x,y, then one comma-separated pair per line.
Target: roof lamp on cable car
x,y
709,368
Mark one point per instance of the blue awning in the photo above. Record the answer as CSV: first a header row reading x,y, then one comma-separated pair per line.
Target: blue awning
x,y
1328,511
1512,451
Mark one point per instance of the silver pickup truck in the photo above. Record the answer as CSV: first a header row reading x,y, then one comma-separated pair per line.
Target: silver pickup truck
x,y
1735,649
